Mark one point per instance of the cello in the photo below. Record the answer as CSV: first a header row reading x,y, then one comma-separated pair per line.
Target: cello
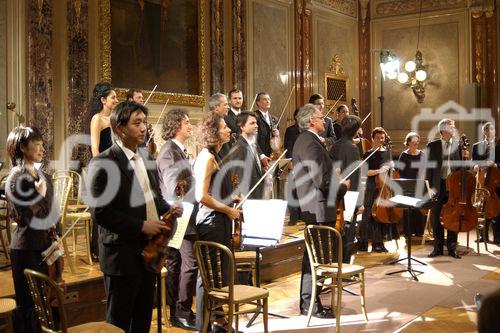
x,y
362,143
459,214
489,179
155,251
237,237
383,210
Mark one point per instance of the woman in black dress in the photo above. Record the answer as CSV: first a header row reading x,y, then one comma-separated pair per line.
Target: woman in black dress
x,y
408,168
102,102
213,221
29,195
380,163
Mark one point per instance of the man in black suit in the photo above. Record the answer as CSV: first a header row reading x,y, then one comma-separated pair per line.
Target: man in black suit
x,y
127,210
245,152
485,154
441,152
342,112
235,103
328,134
313,175
345,155
173,165
268,124
218,103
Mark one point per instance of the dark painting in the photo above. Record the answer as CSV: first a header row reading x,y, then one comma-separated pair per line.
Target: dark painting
x,y
155,42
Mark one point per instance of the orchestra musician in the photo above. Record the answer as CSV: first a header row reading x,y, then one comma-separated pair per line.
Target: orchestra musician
x,y
313,174
441,151
291,134
218,103
328,134
173,165
407,167
246,151
135,95
342,111
379,164
345,152
235,103
128,219
29,195
488,151
267,123
213,220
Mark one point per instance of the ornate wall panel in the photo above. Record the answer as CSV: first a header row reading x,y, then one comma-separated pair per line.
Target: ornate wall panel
x,y
334,34
217,45
364,101
497,111
40,112
386,8
239,46
270,53
444,44
78,72
347,7
303,51
3,78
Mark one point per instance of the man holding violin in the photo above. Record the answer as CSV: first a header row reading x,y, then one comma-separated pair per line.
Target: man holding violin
x,y
441,152
129,216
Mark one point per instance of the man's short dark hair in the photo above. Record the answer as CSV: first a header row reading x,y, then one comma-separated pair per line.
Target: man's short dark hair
x,y
259,95
131,92
120,116
350,126
242,118
314,98
234,91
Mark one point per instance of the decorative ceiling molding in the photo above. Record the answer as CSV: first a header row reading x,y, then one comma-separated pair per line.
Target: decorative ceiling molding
x,y
347,7
385,8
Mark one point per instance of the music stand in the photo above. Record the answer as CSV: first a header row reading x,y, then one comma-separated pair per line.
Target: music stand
x,y
411,200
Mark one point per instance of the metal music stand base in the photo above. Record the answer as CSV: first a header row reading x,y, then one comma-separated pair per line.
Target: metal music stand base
x,y
258,311
408,268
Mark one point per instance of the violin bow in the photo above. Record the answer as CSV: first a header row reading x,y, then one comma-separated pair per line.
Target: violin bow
x,y
331,108
367,116
253,103
150,94
159,118
50,250
271,168
359,165
284,108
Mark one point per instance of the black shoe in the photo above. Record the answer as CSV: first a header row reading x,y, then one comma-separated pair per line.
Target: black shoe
x,y
323,314
379,249
187,324
454,254
362,246
435,253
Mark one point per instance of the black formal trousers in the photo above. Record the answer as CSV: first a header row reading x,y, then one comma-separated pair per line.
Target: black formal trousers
x,y
25,318
130,299
437,227
181,278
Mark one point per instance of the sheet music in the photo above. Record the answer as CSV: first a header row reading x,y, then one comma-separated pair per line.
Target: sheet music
x,y
264,220
404,200
350,200
182,223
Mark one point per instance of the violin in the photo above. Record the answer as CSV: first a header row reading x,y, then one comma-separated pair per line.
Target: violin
x,y
151,145
363,144
459,214
339,218
237,230
383,210
489,179
55,265
155,251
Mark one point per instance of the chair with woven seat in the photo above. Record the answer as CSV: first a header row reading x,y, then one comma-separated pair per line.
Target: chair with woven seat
x,y
480,197
246,261
324,248
44,292
4,222
7,306
209,256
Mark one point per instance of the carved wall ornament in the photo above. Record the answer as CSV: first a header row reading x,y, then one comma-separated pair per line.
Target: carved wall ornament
x,y
336,66
347,7
385,8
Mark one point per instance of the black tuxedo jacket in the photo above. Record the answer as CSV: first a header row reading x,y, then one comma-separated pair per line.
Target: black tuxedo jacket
x,y
172,165
347,153
291,135
312,175
247,176
120,220
329,133
436,155
230,120
480,153
265,132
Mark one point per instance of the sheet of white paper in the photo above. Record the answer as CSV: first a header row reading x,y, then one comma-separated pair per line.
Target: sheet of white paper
x,y
182,223
404,200
264,221
350,199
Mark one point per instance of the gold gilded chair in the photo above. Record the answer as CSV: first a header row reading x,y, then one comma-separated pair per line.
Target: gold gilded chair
x,y
7,306
328,271
480,197
40,285
231,295
4,222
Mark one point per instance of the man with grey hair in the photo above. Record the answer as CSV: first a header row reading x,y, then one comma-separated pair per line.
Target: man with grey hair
x,y
218,104
312,174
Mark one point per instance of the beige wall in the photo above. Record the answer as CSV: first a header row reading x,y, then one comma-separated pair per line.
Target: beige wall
x,y
270,52
498,71
444,43
334,33
3,80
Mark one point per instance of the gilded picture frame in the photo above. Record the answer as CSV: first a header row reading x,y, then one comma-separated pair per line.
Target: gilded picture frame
x,y
193,94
